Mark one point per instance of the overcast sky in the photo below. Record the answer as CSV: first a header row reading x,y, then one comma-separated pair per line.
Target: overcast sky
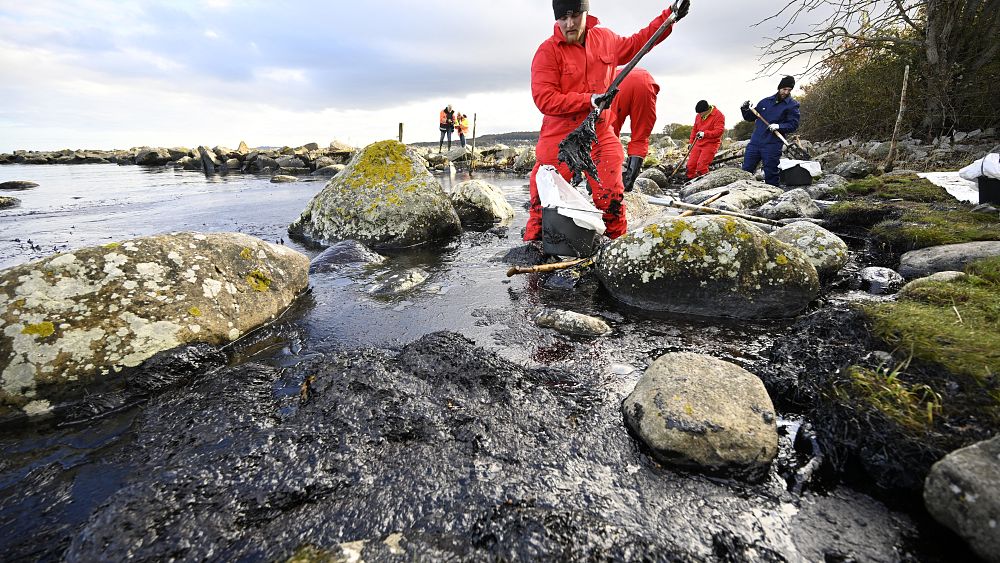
x,y
113,74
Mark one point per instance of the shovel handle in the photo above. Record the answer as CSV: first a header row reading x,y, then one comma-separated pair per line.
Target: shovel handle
x,y
797,152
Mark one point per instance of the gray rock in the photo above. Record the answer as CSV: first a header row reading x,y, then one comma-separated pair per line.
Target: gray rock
x,y
569,322
939,277
743,195
233,165
647,187
17,185
826,251
880,281
329,171
962,492
854,169
152,157
656,175
699,412
265,164
459,154
344,253
283,179
9,202
397,284
707,265
290,162
926,261
638,210
715,179
385,198
209,161
793,203
526,159
480,204
74,319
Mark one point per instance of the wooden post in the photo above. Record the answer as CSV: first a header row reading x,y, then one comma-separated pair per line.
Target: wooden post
x,y
890,159
472,163
400,132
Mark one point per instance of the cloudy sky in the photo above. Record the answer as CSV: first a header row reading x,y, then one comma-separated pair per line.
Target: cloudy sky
x,y
116,74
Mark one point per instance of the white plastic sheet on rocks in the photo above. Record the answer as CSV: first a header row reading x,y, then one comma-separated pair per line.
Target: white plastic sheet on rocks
x,y
814,168
988,166
555,191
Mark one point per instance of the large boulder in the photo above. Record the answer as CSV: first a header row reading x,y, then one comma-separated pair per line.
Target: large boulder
x,y
791,204
655,174
699,412
926,261
825,250
152,157
526,159
73,319
210,162
385,198
708,265
715,179
638,210
854,169
480,204
459,154
743,195
962,491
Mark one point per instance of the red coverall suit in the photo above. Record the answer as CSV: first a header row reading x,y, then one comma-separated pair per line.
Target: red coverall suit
x,y
563,78
704,151
636,100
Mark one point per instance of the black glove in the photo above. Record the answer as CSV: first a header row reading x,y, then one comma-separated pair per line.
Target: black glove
x,y
603,101
631,171
745,106
680,9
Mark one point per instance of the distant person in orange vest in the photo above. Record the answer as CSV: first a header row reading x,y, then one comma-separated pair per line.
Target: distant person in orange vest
x,y
636,100
706,136
461,126
447,125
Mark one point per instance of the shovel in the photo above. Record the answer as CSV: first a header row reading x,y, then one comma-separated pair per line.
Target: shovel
x,y
686,154
792,149
574,150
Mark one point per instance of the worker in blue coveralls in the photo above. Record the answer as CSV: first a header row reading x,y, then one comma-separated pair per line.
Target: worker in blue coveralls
x,y
782,112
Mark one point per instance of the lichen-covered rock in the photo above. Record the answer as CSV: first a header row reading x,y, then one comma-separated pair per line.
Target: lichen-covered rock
x,y
825,250
647,187
480,204
526,159
73,319
715,179
743,195
384,198
926,261
854,169
638,210
656,175
9,202
879,280
710,266
793,203
962,491
18,185
939,277
699,412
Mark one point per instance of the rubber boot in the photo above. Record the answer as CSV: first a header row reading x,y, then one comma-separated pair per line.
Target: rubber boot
x,y
631,171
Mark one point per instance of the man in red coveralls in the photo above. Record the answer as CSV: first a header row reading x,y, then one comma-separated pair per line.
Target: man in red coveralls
x,y
706,136
570,74
636,100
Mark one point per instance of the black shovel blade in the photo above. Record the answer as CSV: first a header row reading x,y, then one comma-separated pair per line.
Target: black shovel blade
x,y
575,149
798,153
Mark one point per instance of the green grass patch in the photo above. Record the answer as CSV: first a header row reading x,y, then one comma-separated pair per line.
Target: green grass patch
x,y
955,326
922,226
909,187
858,212
911,405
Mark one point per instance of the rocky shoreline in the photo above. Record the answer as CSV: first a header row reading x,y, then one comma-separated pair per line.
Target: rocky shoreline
x,y
893,383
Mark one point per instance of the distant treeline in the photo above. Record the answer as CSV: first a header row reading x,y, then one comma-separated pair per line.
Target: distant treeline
x,y
511,139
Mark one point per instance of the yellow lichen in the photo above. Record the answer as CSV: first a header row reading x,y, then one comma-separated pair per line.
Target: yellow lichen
x,y
195,312
781,259
42,329
112,245
246,254
381,164
259,281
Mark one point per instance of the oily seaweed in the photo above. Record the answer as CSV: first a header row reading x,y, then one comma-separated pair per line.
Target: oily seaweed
x,y
575,149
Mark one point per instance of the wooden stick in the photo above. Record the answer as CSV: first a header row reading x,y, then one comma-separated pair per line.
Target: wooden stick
x,y
712,199
890,159
548,267
712,210
472,163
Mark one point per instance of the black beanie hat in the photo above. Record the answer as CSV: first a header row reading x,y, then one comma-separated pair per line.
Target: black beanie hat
x,y
560,7
701,106
786,82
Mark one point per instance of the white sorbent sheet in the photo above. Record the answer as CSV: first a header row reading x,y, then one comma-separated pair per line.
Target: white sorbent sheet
x,y
961,189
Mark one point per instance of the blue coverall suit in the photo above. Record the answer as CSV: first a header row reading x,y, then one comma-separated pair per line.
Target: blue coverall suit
x,y
765,145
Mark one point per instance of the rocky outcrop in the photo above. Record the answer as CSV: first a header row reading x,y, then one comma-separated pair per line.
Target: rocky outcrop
x,y
699,412
715,179
9,202
480,204
926,261
385,198
962,491
791,204
826,251
707,265
152,157
74,319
